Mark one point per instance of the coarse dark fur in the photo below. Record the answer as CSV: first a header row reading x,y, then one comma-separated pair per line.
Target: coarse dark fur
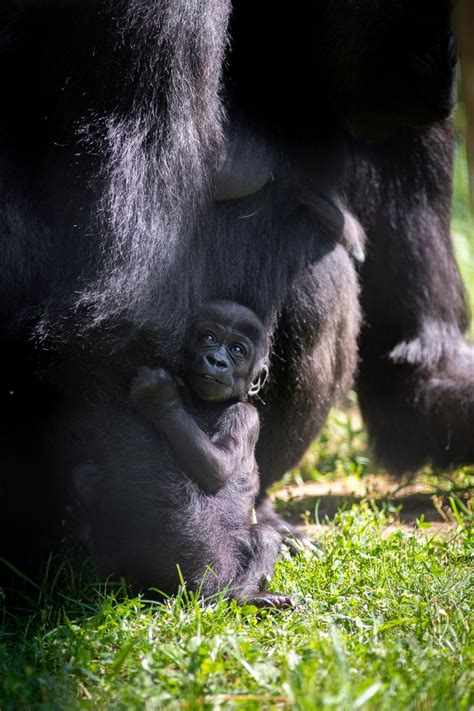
x,y
112,137
194,510
416,380
107,102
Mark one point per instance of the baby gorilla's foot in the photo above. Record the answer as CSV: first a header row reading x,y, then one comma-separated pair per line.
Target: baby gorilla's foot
x,y
294,540
272,600
295,543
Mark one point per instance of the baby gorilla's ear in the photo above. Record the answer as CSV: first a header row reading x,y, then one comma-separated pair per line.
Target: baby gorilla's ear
x,y
258,382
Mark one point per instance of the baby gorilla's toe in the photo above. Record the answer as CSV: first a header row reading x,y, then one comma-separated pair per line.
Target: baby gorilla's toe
x,y
301,545
270,600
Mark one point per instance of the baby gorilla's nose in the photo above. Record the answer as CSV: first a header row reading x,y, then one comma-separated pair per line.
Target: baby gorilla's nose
x,y
217,361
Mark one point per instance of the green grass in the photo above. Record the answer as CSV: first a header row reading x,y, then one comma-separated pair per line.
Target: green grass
x,y
386,625
463,226
387,622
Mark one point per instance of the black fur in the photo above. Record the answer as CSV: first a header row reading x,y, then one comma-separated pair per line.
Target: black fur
x,y
194,510
416,380
114,136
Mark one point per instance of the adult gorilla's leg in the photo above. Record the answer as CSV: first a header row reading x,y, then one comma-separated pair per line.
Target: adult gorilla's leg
x,y
313,361
416,376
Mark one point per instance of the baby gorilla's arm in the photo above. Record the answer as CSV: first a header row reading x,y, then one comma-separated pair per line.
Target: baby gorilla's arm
x,y
208,462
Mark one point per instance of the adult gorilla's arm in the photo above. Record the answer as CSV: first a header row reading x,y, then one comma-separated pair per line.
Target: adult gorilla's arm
x,y
416,376
314,359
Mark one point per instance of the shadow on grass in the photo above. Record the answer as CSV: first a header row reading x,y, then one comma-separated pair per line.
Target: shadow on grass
x,y
410,508
408,503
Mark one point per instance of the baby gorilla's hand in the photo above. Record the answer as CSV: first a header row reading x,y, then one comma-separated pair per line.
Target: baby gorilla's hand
x,y
153,391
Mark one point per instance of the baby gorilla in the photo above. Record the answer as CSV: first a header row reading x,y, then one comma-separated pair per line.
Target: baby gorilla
x,y
198,509
210,430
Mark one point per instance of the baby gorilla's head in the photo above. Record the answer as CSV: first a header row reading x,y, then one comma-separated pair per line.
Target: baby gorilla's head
x,y
227,353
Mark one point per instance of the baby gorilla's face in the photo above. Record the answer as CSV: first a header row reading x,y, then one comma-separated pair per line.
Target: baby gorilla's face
x,y
227,351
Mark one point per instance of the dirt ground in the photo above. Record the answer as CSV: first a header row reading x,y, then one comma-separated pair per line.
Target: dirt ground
x,y
410,502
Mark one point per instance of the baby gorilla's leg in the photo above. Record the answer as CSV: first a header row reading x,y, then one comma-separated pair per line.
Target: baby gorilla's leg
x,y
251,587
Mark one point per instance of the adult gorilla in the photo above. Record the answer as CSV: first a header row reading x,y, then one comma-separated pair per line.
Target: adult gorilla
x,y
386,104
111,145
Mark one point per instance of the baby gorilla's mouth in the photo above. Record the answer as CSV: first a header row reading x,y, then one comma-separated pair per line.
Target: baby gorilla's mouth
x,y
206,376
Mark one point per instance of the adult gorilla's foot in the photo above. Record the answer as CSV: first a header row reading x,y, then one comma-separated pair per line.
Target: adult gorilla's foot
x,y
416,415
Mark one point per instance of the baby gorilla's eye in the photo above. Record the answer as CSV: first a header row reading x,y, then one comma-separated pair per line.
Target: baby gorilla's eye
x,y
238,349
208,338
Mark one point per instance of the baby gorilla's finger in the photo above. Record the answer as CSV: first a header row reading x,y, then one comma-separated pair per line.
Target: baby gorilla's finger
x,y
143,372
146,379
161,375
136,387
